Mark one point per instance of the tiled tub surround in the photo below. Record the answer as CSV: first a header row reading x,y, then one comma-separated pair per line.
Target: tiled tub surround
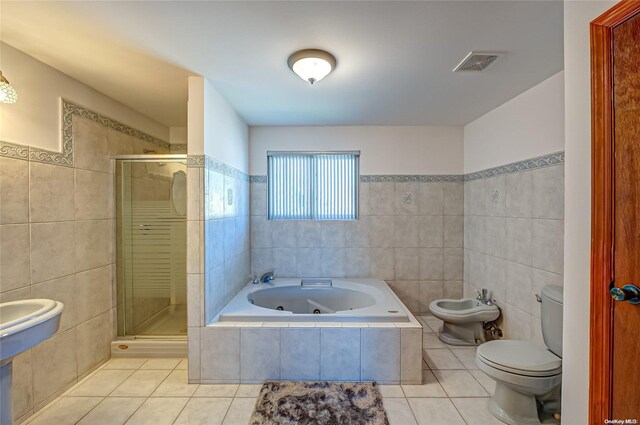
x,y
409,233
514,232
217,244
251,352
246,351
56,241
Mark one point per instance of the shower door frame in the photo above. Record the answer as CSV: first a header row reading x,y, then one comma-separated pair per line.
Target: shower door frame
x,y
121,298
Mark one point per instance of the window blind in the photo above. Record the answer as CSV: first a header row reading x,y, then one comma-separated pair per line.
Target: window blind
x,y
312,185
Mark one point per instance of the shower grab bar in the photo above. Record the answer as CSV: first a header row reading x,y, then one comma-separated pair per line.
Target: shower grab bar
x,y
316,282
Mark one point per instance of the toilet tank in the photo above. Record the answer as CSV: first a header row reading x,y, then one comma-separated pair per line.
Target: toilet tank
x,y
552,318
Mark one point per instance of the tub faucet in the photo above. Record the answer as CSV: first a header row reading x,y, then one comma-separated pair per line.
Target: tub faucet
x,y
267,276
484,297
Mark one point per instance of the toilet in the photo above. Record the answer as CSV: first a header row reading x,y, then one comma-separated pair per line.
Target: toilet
x,y
463,319
527,375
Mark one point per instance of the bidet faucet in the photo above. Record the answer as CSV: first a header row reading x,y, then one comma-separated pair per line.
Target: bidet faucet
x,y
484,297
267,276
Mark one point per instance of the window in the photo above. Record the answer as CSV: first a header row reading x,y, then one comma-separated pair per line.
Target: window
x,y
312,185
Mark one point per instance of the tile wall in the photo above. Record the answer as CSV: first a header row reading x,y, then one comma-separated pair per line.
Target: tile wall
x,y
513,241
56,241
409,233
218,238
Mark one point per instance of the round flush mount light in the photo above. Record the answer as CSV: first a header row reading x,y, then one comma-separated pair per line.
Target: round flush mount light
x,y
7,93
312,65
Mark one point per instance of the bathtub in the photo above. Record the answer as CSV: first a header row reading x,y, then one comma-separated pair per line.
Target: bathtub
x,y
308,330
315,300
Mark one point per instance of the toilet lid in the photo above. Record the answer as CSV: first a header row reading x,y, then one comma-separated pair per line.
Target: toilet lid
x,y
519,356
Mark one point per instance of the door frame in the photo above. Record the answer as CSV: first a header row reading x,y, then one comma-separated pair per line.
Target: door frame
x,y
602,208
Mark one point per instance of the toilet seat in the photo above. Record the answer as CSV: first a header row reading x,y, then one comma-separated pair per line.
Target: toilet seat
x,y
520,358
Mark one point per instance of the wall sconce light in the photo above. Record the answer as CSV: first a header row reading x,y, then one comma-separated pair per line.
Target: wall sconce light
x,y
7,93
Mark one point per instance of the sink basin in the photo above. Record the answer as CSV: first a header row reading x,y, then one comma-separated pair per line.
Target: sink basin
x,y
23,325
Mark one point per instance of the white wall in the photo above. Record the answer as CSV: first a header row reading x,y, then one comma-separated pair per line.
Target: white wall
x,y
575,373
384,149
529,125
214,127
178,135
35,119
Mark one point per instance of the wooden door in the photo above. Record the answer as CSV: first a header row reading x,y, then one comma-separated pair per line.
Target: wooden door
x,y
615,336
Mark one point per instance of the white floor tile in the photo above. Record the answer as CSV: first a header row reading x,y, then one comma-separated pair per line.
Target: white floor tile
x,y
100,383
217,390
184,364
487,383
467,356
249,390
113,411
475,411
435,411
124,363
431,340
158,411
398,411
442,359
240,411
390,391
66,411
429,388
141,383
176,385
459,383
161,364
204,411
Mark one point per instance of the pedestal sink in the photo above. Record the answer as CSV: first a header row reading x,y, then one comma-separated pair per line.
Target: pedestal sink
x,y
23,325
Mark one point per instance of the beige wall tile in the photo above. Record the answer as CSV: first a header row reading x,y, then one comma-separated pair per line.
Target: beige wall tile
x,y
411,356
14,256
63,290
51,192
139,147
220,353
52,253
91,145
119,143
14,191
93,194
92,244
94,338
54,365
93,291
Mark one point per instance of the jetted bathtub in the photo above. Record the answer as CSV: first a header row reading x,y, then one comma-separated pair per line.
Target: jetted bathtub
x,y
315,300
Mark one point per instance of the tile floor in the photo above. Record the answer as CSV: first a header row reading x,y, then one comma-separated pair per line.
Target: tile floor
x,y
155,391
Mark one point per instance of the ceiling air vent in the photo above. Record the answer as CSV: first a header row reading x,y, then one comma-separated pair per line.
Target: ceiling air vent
x,y
476,61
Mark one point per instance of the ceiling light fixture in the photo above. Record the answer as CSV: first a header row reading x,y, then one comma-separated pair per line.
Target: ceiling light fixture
x,y
7,93
312,65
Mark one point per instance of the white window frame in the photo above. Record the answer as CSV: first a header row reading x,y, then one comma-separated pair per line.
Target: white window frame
x,y
312,214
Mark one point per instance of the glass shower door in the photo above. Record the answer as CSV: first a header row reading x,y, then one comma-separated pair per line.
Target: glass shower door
x,y
151,246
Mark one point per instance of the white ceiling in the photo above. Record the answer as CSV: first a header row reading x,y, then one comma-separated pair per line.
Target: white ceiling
x,y
394,58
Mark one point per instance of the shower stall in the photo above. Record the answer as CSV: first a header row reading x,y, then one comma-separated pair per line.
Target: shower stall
x,y
151,249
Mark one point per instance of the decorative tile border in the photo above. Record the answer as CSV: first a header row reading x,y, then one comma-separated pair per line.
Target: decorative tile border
x,y
549,160
195,161
205,161
11,150
411,178
515,167
181,148
66,156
